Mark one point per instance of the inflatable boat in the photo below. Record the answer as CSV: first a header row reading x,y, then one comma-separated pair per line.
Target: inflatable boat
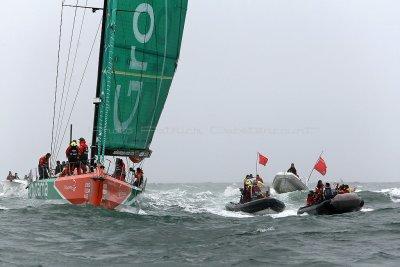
x,y
341,203
285,182
257,205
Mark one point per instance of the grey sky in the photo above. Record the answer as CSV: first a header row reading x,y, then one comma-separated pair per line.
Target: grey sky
x,y
286,78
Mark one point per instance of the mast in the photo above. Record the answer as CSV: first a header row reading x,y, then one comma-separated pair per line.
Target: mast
x,y
93,149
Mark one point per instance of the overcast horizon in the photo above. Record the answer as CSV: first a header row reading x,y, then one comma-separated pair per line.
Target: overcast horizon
x,y
288,79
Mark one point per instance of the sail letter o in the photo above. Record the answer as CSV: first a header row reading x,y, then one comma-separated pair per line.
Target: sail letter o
x,y
143,8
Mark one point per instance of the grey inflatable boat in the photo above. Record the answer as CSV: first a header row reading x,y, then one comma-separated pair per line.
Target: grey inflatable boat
x,y
341,203
257,205
285,182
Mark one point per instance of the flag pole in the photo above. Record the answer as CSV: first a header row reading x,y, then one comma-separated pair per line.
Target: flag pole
x,y
257,164
312,170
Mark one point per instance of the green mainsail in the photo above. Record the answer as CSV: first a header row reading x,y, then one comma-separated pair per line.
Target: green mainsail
x,y
142,40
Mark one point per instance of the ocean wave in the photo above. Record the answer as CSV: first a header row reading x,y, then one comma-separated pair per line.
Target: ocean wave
x,y
264,230
366,210
8,189
193,202
211,202
393,193
232,191
285,213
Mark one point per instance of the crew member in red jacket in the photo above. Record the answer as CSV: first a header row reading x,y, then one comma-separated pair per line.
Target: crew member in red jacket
x,y
72,154
310,198
43,166
83,154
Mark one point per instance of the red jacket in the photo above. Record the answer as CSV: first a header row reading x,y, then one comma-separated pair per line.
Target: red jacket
x,y
83,150
44,161
310,200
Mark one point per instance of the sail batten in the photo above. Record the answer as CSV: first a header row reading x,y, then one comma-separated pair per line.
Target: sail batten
x,y
142,46
137,74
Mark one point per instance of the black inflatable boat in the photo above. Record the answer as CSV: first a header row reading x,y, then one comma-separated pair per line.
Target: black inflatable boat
x,y
339,204
257,205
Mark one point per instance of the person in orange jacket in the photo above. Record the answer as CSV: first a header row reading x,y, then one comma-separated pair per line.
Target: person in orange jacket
x,y
83,154
43,166
72,154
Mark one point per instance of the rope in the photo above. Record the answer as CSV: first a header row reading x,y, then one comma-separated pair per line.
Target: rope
x,y
104,111
66,73
57,74
73,66
79,87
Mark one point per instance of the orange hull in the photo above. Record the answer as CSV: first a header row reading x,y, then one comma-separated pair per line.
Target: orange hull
x,y
96,188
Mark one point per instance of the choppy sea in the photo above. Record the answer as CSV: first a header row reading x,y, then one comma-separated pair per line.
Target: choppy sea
x,y
187,224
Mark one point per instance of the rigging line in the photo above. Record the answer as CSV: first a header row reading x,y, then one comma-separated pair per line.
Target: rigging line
x,y
80,85
93,8
65,74
57,74
73,67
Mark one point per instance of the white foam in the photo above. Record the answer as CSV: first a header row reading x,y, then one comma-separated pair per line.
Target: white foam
x,y
366,210
132,210
230,214
10,189
264,230
231,191
285,213
393,193
196,202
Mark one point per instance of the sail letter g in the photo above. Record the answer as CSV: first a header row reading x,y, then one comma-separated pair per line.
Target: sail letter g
x,y
134,86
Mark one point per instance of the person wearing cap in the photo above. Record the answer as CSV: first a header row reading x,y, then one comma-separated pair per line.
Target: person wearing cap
x,y
83,154
43,166
72,154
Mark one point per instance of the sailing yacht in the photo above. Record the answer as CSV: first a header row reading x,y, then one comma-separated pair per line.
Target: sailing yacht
x,y
139,51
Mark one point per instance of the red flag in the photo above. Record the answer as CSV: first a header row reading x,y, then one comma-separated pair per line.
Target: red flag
x,y
320,166
263,160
